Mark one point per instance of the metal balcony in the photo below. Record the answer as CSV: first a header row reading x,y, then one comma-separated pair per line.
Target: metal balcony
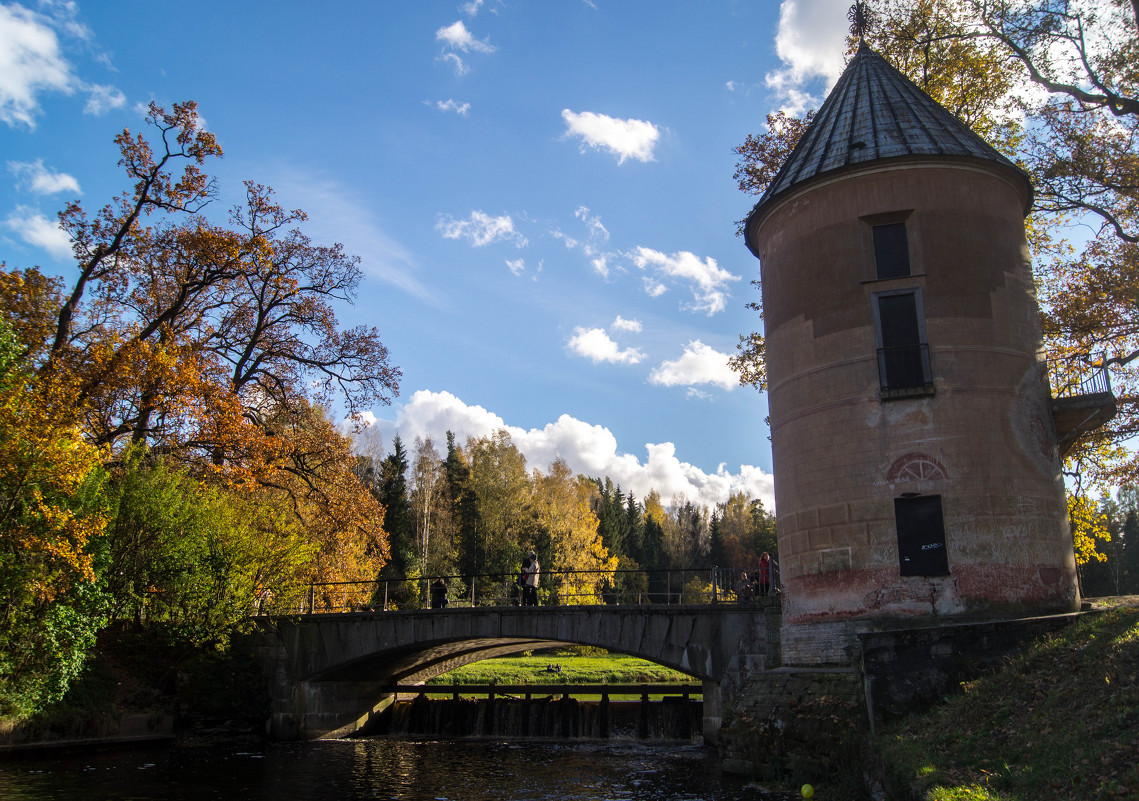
x,y
1082,399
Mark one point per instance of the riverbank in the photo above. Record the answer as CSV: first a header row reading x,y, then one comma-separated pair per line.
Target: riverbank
x,y
1058,721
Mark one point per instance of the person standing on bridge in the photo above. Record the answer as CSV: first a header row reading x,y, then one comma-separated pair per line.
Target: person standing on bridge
x,y
439,594
530,577
763,580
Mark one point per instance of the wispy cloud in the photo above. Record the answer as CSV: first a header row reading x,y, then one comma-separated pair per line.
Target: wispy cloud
x,y
456,37
102,99
35,177
594,344
706,279
451,105
699,364
37,230
588,449
457,64
626,139
595,238
338,214
481,229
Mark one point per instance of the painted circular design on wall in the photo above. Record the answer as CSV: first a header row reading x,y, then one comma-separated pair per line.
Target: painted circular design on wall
x,y
916,467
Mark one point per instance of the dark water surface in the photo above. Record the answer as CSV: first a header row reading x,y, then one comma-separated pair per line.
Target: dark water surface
x,y
347,770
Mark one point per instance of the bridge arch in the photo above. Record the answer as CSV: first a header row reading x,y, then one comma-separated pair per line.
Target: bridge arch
x,y
328,671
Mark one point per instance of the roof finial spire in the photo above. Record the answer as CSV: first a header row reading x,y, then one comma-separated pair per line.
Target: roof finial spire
x,y
861,20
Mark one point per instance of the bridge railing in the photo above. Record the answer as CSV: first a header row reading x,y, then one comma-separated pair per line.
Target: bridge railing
x,y
710,585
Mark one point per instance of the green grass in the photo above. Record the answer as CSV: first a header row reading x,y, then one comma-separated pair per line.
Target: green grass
x,y
1058,722
609,669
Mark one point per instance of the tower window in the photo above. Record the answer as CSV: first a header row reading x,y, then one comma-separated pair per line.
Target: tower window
x,y
921,536
891,250
903,355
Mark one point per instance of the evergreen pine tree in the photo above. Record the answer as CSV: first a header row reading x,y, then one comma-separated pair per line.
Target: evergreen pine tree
x,y
1130,571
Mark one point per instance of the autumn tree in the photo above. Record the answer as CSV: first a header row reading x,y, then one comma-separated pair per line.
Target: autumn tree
x,y
52,515
216,346
197,559
192,337
562,508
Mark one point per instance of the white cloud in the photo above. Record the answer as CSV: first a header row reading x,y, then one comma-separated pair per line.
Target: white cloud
x,y
471,8
30,63
481,229
654,289
810,41
451,105
588,449
38,230
34,176
699,364
627,139
593,223
595,344
706,279
456,63
457,37
621,324
517,266
597,236
102,99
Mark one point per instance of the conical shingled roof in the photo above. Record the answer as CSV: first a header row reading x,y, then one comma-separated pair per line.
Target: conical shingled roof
x,y
875,112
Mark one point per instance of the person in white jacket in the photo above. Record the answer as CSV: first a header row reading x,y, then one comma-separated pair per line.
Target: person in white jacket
x,y
530,573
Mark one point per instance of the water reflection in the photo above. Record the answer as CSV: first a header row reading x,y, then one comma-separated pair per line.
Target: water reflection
x,y
346,770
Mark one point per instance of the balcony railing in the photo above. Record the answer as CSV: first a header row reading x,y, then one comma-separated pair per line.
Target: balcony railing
x,y
904,371
1082,400
1075,376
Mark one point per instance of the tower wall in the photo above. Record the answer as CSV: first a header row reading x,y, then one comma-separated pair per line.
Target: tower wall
x,y
979,437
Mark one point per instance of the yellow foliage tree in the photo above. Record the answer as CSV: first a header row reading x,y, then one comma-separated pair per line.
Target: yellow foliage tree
x,y
1089,526
51,509
562,509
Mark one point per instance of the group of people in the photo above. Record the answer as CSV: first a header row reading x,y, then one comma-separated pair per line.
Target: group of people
x,y
759,583
527,580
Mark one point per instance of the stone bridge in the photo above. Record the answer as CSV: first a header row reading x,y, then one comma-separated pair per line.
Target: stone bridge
x,y
329,671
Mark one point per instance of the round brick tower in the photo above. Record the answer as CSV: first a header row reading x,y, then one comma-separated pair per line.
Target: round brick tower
x,y
916,464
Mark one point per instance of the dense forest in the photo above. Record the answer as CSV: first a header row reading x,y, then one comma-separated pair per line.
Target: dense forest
x,y
476,511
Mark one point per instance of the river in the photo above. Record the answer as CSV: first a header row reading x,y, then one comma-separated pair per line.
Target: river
x,y
348,770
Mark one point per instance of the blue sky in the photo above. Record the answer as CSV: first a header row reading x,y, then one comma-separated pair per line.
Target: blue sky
x,y
540,193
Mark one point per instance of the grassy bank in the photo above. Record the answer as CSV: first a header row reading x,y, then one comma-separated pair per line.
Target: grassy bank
x,y
1060,721
606,669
